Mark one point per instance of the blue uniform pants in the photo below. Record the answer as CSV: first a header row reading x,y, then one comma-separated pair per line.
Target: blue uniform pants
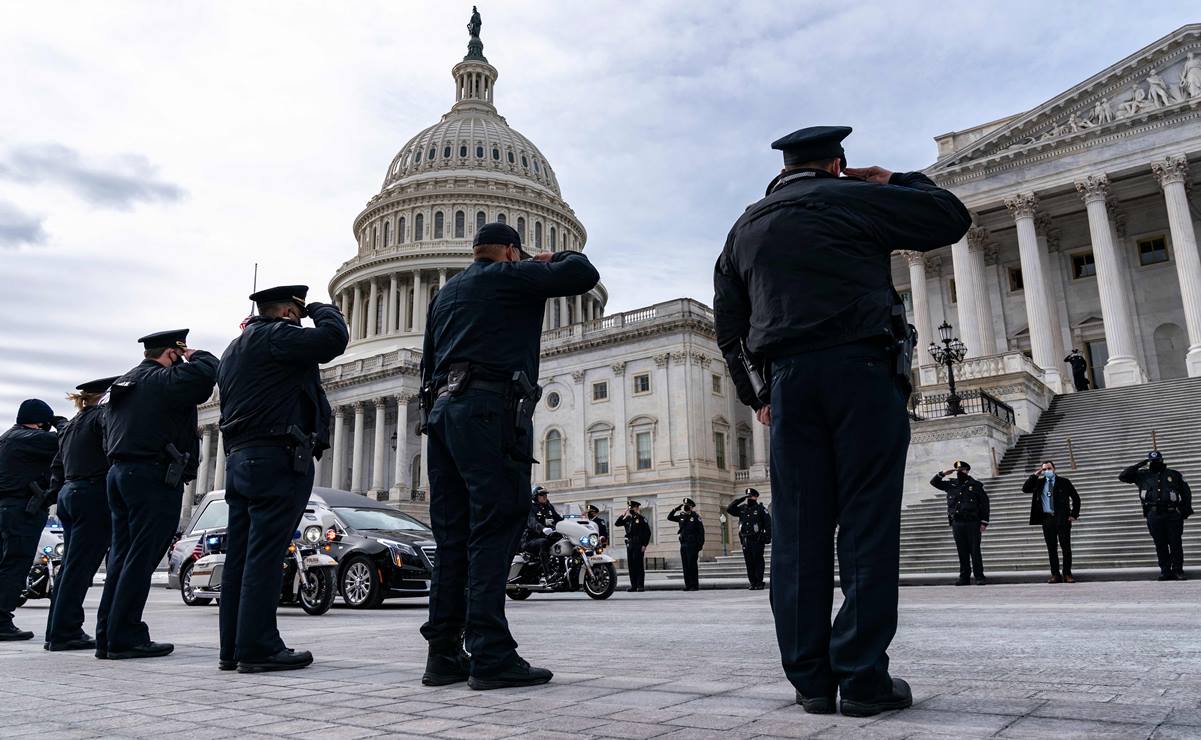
x,y
479,498
19,536
87,532
1167,530
839,438
266,499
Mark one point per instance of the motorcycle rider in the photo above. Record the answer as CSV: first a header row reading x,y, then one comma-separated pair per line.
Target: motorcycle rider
x,y
638,536
1167,501
539,527
692,539
602,526
754,531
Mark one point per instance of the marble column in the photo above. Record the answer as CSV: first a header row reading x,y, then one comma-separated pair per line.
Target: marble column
x,y
356,453
966,304
579,309
373,309
759,446
920,293
564,318
1040,321
1048,246
206,457
342,305
418,304
219,474
442,278
338,451
403,316
378,477
390,312
978,239
401,464
661,389
1123,367
356,325
621,437
1172,174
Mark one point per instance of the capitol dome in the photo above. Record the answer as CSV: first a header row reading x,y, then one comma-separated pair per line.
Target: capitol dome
x,y
468,169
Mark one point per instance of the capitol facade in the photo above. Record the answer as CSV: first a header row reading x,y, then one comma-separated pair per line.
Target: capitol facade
x,y
1084,236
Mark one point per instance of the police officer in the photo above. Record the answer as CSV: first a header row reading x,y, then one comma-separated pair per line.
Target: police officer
x,y
274,421
638,536
804,282
152,443
754,531
26,452
601,525
1079,369
692,539
539,527
78,479
479,366
967,513
1167,501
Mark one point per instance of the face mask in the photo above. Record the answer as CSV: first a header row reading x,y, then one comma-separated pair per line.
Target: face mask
x,y
1050,474
1158,465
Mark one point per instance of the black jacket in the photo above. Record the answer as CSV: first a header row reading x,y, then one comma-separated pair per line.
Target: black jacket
x,y
539,518
1163,490
25,457
80,449
692,530
152,406
754,523
966,499
809,267
270,378
1064,499
638,530
490,315
602,526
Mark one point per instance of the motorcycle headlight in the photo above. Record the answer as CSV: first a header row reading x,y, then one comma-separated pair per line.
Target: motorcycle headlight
x,y
47,549
312,535
584,540
593,540
59,549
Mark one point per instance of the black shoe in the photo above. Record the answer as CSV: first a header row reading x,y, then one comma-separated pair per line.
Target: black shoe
x,y
641,589
80,643
101,654
149,650
899,698
631,589
227,665
519,673
11,633
445,668
816,705
981,581
963,581
1180,576
751,587
285,660
1166,577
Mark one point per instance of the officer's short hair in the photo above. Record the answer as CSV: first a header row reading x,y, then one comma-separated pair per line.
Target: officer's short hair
x,y
817,164
270,308
157,352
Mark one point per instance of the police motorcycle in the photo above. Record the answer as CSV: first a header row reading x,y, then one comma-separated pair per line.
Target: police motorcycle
x,y
577,561
47,562
309,571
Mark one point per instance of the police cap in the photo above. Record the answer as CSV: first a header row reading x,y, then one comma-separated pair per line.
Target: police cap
x,y
498,233
100,385
689,502
170,339
961,465
35,411
752,493
632,504
1155,456
282,294
593,509
812,144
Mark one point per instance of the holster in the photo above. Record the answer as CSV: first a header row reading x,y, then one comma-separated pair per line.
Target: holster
x,y
905,340
425,402
302,448
520,403
37,500
176,465
754,374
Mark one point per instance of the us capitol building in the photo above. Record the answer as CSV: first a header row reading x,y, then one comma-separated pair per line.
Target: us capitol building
x,y
1084,237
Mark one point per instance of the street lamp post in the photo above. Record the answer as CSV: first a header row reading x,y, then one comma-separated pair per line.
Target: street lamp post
x,y
951,352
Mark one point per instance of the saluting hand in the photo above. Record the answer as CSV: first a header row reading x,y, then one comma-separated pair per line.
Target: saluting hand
x,y
871,174
543,256
187,354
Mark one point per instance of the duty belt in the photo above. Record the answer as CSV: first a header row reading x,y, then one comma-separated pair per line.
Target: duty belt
x,y
491,386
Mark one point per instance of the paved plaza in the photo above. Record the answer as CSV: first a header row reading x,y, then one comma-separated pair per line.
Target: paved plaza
x,y
1091,660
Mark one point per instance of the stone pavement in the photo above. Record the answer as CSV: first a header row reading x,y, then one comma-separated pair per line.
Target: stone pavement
x,y
1090,660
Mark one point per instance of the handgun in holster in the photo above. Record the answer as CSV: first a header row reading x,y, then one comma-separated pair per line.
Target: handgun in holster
x,y
425,402
176,465
302,448
904,343
754,374
522,399
37,501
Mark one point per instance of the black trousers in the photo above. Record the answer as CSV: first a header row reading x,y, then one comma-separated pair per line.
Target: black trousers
x,y
752,553
1167,530
145,515
689,554
1058,536
1080,380
839,438
479,499
967,546
636,564
87,533
19,536
266,499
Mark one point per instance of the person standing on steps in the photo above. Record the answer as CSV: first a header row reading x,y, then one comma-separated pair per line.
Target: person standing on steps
x,y
967,513
1055,505
692,540
638,536
1167,501
754,531
1079,369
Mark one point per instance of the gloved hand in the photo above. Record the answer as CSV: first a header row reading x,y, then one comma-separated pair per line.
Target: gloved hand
x,y
548,531
60,422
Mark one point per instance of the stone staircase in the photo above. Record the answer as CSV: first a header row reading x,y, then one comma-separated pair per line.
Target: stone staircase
x,y
1109,429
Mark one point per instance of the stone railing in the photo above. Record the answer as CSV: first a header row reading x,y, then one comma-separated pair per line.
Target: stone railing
x,y
557,485
683,308
741,475
987,366
402,358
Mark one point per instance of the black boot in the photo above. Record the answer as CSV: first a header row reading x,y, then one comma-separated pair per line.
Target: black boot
x,y
445,665
899,697
817,704
11,632
518,673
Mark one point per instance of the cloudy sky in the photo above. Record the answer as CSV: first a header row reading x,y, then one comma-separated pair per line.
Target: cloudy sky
x,y
151,153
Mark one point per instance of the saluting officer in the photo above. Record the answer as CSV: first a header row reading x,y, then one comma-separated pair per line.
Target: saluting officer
x,y
754,531
26,452
78,478
480,363
1079,369
638,536
967,513
152,443
601,525
692,539
805,282
1167,501
274,420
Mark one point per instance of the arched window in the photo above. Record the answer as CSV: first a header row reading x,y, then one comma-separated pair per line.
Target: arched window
x,y
438,225
535,166
481,218
496,154
463,150
460,224
419,227
400,230
554,242
446,152
557,318
521,228
417,157
387,232
375,237
500,218
479,151
525,162
554,455
512,159
434,152
538,234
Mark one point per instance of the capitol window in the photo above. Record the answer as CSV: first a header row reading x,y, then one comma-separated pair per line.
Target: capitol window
x,y
446,152
521,228
600,456
500,219
553,399
952,295
1083,265
438,225
1152,251
419,227
642,445
719,444
496,154
1016,283
387,233
400,230
600,391
554,455
538,234
417,157
744,457
481,218
433,153
460,224
512,159
479,151
642,384
716,383
463,150
553,239
525,162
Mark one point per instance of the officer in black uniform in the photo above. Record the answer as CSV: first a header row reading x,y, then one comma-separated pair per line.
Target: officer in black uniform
x,y
754,531
804,283
78,479
26,452
274,420
967,513
479,369
1167,501
601,525
1079,369
692,539
152,443
638,536
539,527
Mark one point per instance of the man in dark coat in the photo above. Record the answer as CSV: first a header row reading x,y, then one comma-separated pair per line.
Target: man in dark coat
x,y
967,513
601,525
1055,505
692,541
1079,369
274,420
804,285
754,532
638,536
1167,501
539,528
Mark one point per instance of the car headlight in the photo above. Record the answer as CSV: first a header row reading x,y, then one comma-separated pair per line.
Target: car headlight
x,y
312,535
59,549
593,540
399,551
